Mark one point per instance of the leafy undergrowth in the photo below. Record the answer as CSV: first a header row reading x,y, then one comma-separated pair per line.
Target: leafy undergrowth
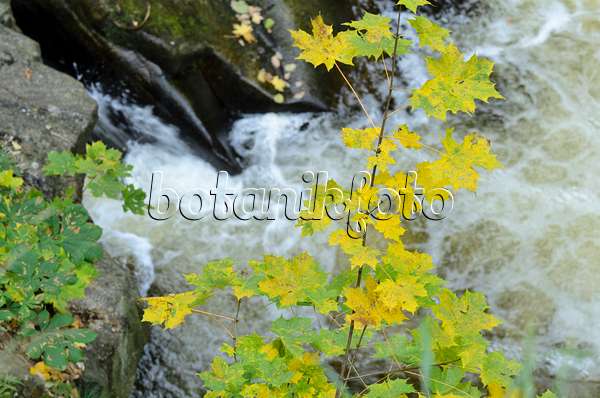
x,y
47,252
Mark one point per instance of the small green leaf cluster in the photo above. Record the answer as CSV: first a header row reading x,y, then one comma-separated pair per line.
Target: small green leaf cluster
x,y
105,174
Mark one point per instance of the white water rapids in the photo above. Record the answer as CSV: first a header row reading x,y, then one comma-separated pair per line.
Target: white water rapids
x,y
529,239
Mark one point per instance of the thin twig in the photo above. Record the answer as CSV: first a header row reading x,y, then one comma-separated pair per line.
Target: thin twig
x,y
195,311
364,109
235,328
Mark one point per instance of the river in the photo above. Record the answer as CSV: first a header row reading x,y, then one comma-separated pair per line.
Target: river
x,y
528,238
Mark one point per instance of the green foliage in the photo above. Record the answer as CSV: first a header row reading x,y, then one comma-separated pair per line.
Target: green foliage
x,y
9,386
105,174
386,285
47,254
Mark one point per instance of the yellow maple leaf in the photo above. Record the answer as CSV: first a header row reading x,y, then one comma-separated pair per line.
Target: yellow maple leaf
x,y
455,84
170,310
369,308
407,138
322,47
360,138
359,255
245,31
407,262
401,294
291,281
390,228
383,158
456,167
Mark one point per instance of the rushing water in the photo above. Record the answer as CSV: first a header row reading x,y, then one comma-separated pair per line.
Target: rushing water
x,y
528,238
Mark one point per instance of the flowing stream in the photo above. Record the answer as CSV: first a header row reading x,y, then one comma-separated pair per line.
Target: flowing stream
x,y
528,238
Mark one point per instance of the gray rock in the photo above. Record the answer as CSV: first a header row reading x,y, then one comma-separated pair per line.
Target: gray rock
x,y
6,17
43,110
111,309
40,109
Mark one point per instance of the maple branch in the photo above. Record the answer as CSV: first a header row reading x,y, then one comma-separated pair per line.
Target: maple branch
x,y
235,328
362,105
388,102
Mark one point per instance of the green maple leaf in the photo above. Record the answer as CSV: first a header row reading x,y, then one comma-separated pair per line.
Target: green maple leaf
x,y
372,37
464,316
395,388
133,199
455,84
413,4
60,163
498,370
430,34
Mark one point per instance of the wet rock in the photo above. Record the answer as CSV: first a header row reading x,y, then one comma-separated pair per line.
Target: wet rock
x,y
111,309
481,248
526,309
182,55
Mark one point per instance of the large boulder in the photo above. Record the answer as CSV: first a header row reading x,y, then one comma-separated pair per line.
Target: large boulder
x,y
183,57
42,110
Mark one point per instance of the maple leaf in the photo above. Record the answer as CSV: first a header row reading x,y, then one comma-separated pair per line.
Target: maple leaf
x,y
359,255
498,370
390,228
360,138
370,307
413,4
170,310
397,388
372,37
464,316
456,166
402,293
455,85
383,158
407,138
300,279
430,34
322,47
245,31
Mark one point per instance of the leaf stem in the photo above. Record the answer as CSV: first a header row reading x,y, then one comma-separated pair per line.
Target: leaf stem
x,y
195,311
362,105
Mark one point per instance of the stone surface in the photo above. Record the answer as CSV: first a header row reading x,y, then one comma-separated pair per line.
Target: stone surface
x,y
6,17
40,109
111,309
